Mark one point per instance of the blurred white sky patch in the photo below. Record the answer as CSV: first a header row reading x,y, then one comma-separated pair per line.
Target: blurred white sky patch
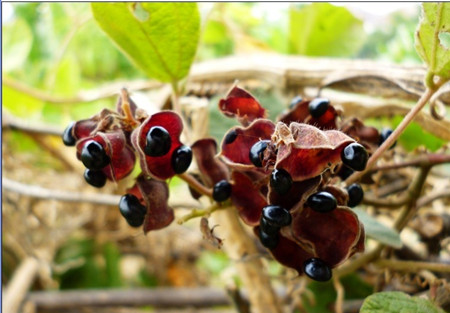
x,y
374,13
7,12
377,8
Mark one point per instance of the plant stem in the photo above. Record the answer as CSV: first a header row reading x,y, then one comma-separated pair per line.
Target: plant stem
x,y
413,266
397,132
195,184
239,245
126,108
198,213
19,285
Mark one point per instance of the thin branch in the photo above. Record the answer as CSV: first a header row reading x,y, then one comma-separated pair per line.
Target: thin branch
x,y
429,198
12,122
423,160
19,285
413,266
84,96
66,196
238,245
338,306
394,136
195,184
385,203
414,193
362,260
161,297
199,213
71,196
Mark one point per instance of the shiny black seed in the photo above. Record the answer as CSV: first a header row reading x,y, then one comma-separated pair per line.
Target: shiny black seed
x,y
281,181
355,195
94,156
95,178
385,133
322,202
345,172
158,142
318,106
355,156
67,136
257,151
133,211
230,137
276,215
136,221
181,159
295,101
268,228
317,269
221,191
268,241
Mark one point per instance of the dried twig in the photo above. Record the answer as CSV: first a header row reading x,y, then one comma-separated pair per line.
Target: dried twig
x,y
413,266
19,285
70,196
426,96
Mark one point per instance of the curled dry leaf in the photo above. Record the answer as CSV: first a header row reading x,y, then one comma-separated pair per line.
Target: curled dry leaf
x,y
331,236
208,233
154,195
305,151
242,105
247,197
211,168
235,153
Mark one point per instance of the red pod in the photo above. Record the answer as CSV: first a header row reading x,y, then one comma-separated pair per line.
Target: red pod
x,y
242,105
102,121
248,196
211,167
154,195
238,141
368,136
300,113
306,151
159,167
333,236
288,252
122,157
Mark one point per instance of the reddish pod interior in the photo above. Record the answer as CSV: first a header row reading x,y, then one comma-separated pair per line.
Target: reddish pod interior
x,y
289,253
154,194
236,153
247,198
333,235
241,104
300,114
158,167
212,169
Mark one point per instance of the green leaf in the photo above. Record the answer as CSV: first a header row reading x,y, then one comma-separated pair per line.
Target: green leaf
x,y
322,29
160,38
431,36
21,104
379,231
17,41
415,136
111,254
397,302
